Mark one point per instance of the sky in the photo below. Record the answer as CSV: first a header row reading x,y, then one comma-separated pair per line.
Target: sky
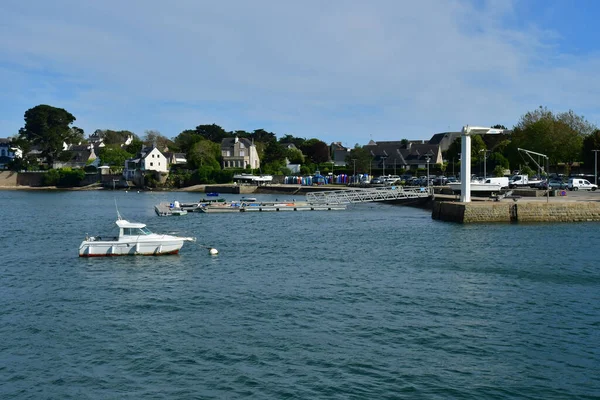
x,y
346,71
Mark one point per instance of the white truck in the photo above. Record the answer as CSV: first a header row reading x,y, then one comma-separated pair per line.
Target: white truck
x,y
517,181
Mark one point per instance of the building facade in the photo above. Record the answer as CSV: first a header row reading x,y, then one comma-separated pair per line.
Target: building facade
x,y
239,153
149,159
7,153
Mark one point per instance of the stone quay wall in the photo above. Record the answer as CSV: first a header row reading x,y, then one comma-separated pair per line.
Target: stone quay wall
x,y
8,178
477,212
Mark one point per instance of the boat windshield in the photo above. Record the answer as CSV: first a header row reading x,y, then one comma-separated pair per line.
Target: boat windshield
x,y
136,231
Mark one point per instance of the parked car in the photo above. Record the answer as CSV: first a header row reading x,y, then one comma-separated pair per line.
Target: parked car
x,y
391,179
440,181
557,184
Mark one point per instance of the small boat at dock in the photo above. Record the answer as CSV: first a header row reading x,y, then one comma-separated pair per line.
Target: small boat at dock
x,y
170,209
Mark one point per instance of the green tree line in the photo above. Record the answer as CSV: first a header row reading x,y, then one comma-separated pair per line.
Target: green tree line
x,y
565,137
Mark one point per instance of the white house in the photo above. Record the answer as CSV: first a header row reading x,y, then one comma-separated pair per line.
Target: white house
x,y
149,159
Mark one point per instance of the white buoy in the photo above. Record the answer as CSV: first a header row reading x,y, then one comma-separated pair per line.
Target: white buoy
x,y
213,251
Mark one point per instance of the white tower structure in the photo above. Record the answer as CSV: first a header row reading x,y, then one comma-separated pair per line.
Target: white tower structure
x,y
465,157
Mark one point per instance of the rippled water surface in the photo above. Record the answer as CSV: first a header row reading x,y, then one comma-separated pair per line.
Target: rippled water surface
x,y
375,302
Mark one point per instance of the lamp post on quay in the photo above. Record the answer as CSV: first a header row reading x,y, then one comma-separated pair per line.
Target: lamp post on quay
x,y
354,176
383,157
427,159
484,162
596,166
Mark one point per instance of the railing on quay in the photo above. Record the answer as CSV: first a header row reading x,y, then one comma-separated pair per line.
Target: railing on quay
x,y
365,195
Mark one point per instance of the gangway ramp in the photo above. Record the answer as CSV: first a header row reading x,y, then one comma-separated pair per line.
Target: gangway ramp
x,y
364,195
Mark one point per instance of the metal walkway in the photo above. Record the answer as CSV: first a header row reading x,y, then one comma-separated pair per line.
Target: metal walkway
x,y
368,195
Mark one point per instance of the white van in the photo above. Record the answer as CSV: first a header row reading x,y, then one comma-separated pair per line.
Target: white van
x,y
503,181
581,184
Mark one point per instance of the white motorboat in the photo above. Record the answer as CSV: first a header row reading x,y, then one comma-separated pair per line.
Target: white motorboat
x,y
134,239
487,185
477,187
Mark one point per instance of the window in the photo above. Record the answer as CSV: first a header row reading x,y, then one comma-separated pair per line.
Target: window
x,y
242,145
242,153
136,231
151,164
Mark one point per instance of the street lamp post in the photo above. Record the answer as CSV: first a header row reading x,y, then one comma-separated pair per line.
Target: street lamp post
x,y
383,157
427,159
484,163
596,166
354,176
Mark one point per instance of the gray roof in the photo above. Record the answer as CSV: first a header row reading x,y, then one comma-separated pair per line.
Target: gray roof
x,y
396,153
229,142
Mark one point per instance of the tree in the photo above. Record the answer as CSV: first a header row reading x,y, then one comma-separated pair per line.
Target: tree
x,y
477,144
316,150
274,152
114,155
161,142
204,153
260,135
294,156
560,136
363,159
590,142
48,128
212,132
135,146
186,140
296,141
499,171
114,137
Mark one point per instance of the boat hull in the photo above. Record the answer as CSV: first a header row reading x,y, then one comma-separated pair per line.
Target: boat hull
x,y
95,248
477,187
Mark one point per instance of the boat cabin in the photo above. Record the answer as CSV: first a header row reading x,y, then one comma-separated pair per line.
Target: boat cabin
x,y
127,228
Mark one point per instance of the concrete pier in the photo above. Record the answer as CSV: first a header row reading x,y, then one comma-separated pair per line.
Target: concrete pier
x,y
576,207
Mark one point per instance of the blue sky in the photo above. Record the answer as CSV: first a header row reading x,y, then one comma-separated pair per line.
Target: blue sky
x,y
340,70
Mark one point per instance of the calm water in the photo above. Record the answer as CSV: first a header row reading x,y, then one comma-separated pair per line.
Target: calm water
x,y
375,302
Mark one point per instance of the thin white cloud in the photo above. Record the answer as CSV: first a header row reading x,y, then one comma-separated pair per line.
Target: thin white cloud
x,y
340,70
